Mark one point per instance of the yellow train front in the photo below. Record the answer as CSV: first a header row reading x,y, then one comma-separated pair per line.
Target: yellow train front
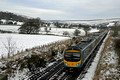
x,y
72,59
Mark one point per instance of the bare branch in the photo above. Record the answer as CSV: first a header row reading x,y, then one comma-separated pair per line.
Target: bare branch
x,y
10,46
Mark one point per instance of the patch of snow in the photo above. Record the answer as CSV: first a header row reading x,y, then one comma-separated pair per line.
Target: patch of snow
x,y
3,20
50,64
12,28
110,24
107,73
52,26
93,30
2,65
19,23
18,75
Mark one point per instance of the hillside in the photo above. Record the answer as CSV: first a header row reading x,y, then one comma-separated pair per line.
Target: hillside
x,y
103,22
12,16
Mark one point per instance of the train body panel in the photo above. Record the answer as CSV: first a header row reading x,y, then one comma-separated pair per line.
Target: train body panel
x,y
75,56
72,64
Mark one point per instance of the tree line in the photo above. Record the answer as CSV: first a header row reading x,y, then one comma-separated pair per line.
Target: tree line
x,y
12,16
31,26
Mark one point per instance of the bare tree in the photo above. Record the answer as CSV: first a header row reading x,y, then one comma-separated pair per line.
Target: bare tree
x,y
31,26
66,33
46,30
76,32
86,29
10,46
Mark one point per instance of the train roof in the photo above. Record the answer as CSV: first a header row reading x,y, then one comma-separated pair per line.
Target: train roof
x,y
73,48
87,41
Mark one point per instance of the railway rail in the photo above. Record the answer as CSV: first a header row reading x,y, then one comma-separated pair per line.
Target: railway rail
x,y
47,72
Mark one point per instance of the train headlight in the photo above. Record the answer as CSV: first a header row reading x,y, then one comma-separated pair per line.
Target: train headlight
x,y
78,64
66,63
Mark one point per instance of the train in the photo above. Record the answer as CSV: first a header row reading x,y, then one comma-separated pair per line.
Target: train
x,y
75,56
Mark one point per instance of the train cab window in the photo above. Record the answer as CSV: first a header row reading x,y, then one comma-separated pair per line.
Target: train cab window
x,y
68,54
76,54
72,56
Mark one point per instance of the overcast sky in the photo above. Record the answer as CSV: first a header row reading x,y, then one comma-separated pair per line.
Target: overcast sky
x,y
63,9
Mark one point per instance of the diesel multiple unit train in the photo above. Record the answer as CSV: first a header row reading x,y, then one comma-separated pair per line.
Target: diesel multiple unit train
x,y
76,56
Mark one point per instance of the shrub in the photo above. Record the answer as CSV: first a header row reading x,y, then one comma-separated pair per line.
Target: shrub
x,y
76,32
31,26
35,61
54,52
117,47
117,43
116,28
66,33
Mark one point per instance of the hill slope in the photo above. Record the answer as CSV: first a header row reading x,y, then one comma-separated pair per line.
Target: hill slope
x,y
12,16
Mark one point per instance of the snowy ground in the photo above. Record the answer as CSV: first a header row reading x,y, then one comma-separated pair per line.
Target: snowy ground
x,y
12,28
93,30
23,41
60,31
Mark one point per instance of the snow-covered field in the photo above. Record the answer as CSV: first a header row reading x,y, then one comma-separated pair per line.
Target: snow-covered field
x,y
23,41
12,28
90,22
60,31
55,31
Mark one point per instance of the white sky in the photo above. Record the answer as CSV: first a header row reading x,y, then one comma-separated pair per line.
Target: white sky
x,y
63,9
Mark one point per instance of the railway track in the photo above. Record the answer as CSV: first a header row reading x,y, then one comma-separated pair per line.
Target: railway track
x,y
52,72
37,75
57,71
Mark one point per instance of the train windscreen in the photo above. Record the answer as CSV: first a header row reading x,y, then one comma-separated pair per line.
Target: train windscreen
x,y
72,56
